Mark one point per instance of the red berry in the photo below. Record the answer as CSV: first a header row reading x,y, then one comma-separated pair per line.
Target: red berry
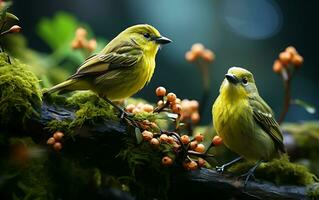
x,y
217,140
51,141
167,161
58,135
160,91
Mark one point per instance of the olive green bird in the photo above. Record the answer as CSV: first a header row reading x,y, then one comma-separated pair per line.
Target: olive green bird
x,y
122,68
244,120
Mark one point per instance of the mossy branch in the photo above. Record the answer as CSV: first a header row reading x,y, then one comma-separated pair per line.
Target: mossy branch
x,y
110,134
94,135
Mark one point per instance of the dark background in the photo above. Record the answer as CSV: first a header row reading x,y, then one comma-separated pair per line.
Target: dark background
x,y
246,33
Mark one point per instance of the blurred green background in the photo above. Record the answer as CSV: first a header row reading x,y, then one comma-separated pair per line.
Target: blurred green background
x,y
247,33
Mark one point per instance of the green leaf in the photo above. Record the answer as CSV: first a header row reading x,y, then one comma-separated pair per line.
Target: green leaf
x,y
138,135
7,21
308,107
58,31
172,115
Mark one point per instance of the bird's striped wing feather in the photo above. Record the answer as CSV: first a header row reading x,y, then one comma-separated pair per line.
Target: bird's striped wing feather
x,y
265,118
124,56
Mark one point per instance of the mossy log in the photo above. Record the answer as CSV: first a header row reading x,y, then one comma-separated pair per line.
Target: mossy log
x,y
95,137
108,136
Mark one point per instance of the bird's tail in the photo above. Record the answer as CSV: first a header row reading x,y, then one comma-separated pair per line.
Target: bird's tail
x,y
62,87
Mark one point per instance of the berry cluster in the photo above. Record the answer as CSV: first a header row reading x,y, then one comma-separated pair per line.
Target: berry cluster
x,y
81,42
182,146
186,109
140,107
198,51
55,141
289,58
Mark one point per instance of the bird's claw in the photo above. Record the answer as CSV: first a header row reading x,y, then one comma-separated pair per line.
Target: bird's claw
x,y
220,169
123,114
248,175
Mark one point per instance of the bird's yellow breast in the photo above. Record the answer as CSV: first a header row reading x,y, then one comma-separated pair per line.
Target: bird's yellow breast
x,y
234,123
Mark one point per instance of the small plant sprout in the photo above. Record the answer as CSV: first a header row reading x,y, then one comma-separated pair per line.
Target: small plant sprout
x,y
288,62
202,57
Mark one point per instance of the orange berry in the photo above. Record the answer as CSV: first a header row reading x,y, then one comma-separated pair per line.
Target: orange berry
x,y
15,29
171,97
193,104
217,140
176,108
57,146
200,148
199,137
192,165
193,145
190,56
201,162
163,138
197,49
208,55
160,91
129,108
285,57
91,45
147,135
291,50
75,44
277,67
51,141
185,139
58,135
170,140
154,142
167,161
195,117
136,110
154,125
148,108
80,32
297,60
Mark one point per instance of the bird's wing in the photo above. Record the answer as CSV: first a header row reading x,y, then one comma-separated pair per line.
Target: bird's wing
x,y
265,118
123,56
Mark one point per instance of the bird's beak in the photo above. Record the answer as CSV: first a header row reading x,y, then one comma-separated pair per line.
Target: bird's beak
x,y
232,78
162,40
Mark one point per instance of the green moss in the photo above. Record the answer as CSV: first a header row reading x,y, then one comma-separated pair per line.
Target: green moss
x,y
306,135
143,159
89,110
20,96
279,171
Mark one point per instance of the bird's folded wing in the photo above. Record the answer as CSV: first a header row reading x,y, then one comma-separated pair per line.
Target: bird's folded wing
x,y
124,56
265,118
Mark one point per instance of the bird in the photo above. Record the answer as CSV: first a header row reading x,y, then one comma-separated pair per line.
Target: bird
x,y
122,68
245,121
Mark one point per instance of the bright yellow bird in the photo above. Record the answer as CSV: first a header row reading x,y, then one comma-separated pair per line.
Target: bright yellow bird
x,y
244,120
122,68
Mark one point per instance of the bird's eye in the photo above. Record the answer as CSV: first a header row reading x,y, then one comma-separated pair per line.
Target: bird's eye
x,y
245,81
147,35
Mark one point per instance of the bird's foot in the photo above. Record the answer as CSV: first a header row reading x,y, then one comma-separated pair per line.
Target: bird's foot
x,y
123,114
248,175
224,166
220,169
127,117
